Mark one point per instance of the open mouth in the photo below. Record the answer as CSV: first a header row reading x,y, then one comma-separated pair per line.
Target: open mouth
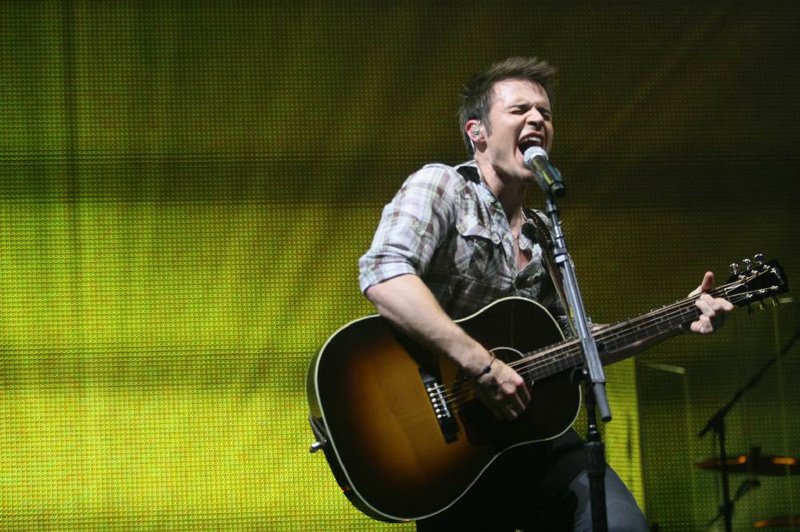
x,y
530,141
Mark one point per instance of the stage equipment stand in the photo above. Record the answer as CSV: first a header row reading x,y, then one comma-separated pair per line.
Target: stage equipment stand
x,y
594,378
717,424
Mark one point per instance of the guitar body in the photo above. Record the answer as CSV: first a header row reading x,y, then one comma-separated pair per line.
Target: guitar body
x,y
400,426
370,389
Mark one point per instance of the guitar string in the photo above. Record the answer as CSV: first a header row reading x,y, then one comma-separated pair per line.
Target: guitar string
x,y
532,364
529,364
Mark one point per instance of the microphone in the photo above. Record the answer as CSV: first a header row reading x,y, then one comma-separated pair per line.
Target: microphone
x,y
549,178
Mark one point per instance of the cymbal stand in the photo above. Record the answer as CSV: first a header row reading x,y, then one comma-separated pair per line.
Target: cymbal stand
x,y
717,424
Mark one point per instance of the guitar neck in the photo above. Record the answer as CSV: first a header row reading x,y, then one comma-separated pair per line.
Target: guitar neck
x,y
653,326
620,340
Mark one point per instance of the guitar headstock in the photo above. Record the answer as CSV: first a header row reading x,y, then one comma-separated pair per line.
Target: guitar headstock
x,y
753,279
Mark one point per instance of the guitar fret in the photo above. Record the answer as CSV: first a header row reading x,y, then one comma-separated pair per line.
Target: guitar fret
x,y
616,337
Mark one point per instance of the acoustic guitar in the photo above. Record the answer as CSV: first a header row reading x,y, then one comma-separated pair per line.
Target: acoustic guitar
x,y
401,428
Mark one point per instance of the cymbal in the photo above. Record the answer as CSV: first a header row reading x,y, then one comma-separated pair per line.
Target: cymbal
x,y
758,464
778,522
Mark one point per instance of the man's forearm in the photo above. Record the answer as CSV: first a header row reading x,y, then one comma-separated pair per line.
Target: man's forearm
x,y
411,307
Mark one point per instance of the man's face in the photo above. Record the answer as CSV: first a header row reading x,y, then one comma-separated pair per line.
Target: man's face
x,y
519,117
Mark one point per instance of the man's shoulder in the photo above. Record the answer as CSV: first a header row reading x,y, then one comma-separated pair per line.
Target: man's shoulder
x,y
446,176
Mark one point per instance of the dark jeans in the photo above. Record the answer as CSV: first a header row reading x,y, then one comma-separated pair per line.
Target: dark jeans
x,y
538,487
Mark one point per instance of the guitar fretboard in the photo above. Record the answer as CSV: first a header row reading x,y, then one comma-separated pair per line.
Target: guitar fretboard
x,y
619,336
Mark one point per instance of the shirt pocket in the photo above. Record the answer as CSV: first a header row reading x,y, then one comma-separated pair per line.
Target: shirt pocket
x,y
478,254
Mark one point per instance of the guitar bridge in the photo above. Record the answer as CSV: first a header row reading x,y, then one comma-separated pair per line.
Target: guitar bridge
x,y
444,415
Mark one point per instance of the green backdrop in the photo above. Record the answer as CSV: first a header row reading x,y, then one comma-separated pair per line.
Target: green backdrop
x,y
185,189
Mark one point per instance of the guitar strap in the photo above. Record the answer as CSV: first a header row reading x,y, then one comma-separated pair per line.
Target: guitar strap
x,y
545,240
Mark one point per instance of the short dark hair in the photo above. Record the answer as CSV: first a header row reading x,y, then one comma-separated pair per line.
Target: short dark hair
x,y
476,97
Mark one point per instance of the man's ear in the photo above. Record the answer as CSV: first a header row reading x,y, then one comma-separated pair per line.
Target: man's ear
x,y
474,130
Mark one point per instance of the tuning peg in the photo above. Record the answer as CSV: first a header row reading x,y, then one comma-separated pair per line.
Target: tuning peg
x,y
735,269
758,260
747,265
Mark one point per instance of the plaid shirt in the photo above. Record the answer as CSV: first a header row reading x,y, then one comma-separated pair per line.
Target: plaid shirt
x,y
445,226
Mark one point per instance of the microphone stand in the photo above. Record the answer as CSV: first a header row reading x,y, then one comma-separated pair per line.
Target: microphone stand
x,y
717,424
594,377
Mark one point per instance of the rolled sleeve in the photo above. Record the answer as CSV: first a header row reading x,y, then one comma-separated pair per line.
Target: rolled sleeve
x,y
411,227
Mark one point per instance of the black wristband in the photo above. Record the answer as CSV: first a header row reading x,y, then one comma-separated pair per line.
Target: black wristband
x,y
486,369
